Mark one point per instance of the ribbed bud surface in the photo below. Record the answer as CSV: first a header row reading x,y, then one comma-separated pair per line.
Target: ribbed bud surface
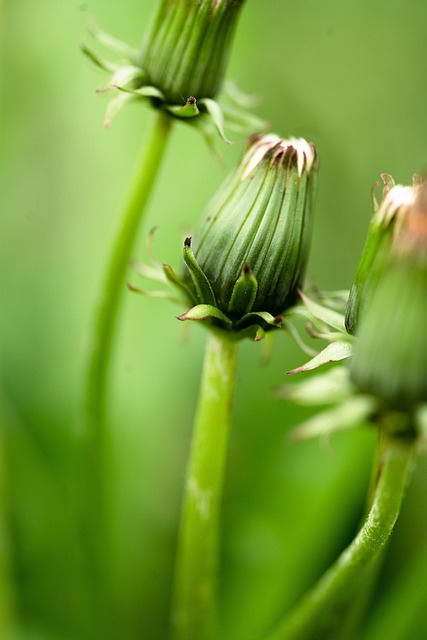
x,y
258,227
188,48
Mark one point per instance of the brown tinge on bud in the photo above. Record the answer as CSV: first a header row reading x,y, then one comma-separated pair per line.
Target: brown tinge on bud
x,y
414,229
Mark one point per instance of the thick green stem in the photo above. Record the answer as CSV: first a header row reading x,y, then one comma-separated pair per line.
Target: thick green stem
x,y
107,311
94,494
393,469
194,606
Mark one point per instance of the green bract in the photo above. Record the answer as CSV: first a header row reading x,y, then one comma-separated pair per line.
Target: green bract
x,y
180,67
390,356
385,224
248,255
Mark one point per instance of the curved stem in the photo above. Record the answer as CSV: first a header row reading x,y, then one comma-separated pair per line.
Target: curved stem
x,y
107,309
95,509
194,607
393,468
404,603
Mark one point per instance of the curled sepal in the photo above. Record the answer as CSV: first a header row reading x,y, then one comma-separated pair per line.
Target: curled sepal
x,y
201,283
351,413
110,42
142,92
165,295
205,312
332,353
244,293
189,110
173,279
324,314
263,318
217,116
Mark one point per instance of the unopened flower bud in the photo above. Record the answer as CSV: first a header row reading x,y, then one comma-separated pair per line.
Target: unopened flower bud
x,y
249,253
187,50
385,224
390,358
181,66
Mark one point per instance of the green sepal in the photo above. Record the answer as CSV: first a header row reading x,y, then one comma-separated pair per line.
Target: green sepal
x,y
332,353
328,316
217,116
165,295
189,110
115,105
240,98
104,65
142,92
147,271
122,77
244,293
112,43
255,316
201,283
178,284
253,332
293,332
205,312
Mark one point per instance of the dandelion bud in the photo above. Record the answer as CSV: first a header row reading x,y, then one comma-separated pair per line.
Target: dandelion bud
x,y
188,48
180,68
390,358
385,224
249,253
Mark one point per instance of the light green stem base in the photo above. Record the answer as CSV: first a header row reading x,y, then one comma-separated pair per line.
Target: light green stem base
x,y
194,606
394,466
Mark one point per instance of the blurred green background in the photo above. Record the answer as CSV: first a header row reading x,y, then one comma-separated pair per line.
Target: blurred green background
x,y
349,76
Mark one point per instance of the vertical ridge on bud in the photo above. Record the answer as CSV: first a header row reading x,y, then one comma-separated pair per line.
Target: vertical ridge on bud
x,y
262,219
188,47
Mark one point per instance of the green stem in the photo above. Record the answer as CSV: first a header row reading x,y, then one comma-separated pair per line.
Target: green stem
x,y
107,310
95,509
194,606
393,469
403,605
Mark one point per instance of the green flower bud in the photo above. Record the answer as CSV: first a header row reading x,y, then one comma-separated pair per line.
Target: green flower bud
x,y
180,68
385,224
390,357
188,48
251,246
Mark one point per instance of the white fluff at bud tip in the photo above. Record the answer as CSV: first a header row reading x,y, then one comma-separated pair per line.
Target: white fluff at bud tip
x,y
259,149
398,197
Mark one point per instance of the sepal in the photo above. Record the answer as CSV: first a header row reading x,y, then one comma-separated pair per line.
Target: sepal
x,y
334,352
244,293
202,285
205,312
